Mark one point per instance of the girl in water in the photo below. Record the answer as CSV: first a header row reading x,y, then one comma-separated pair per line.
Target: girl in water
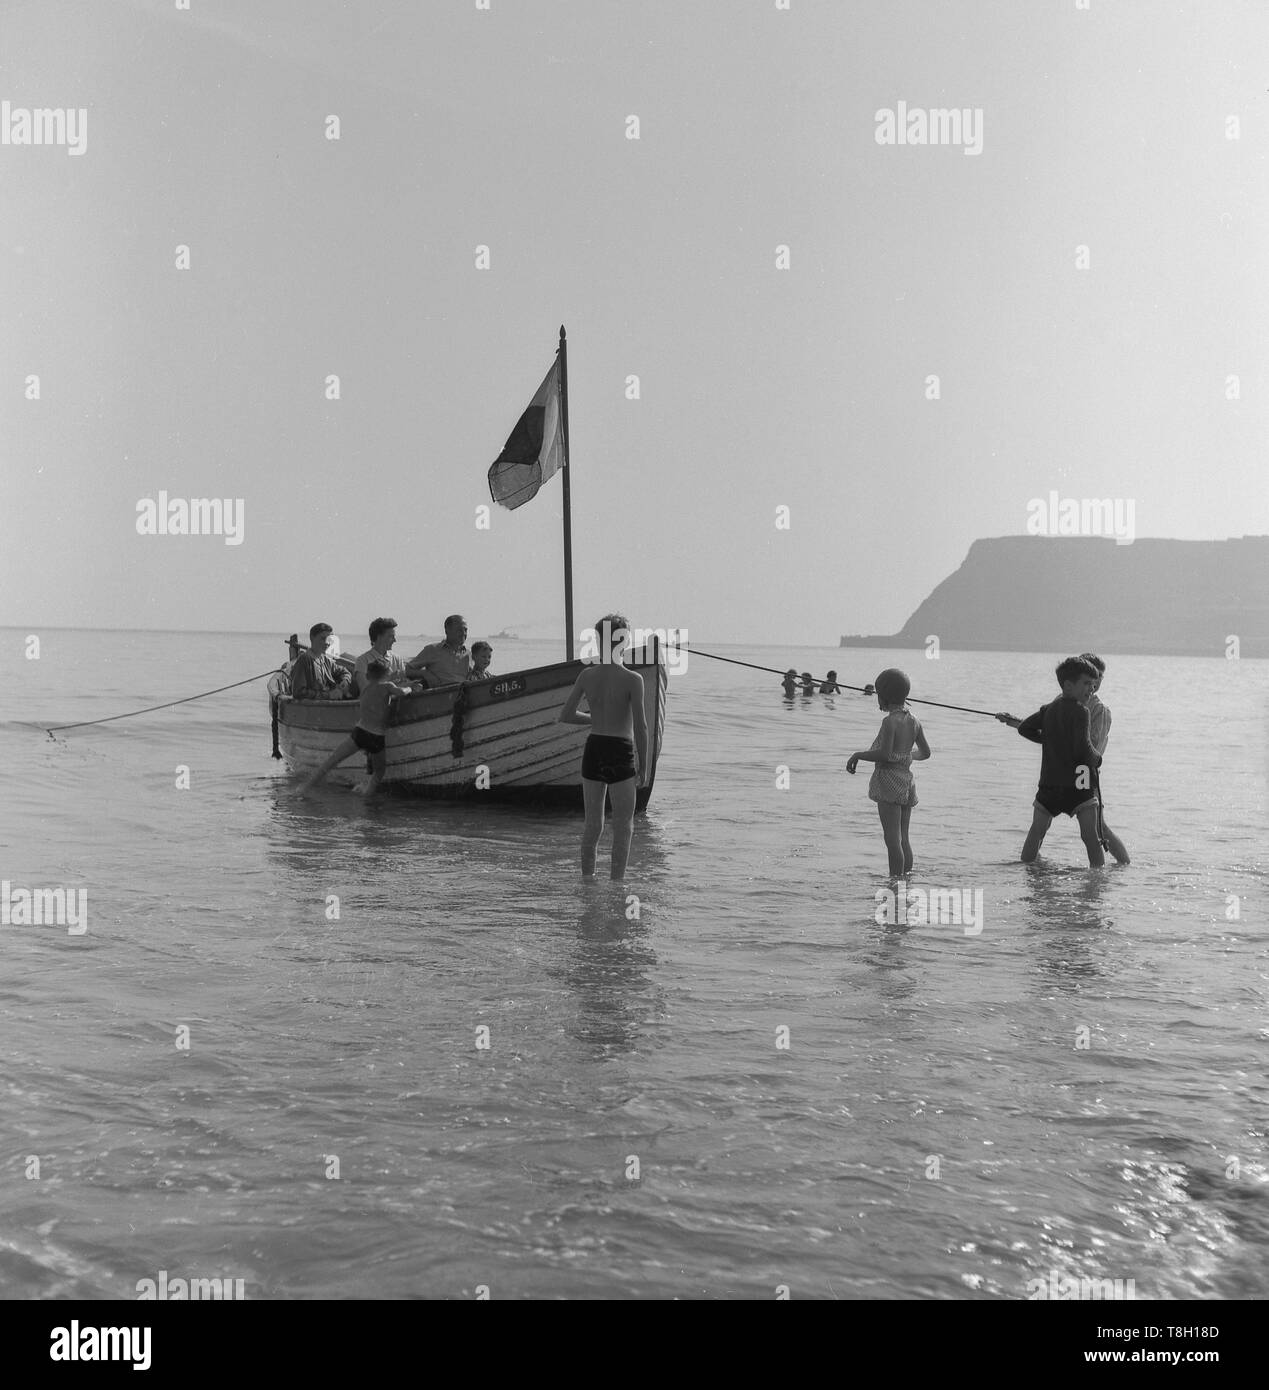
x,y
892,786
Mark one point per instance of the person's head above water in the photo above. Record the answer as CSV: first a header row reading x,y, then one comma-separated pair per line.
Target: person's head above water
x,y
893,687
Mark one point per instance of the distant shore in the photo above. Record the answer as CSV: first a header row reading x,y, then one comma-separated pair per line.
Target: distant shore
x,y
1088,593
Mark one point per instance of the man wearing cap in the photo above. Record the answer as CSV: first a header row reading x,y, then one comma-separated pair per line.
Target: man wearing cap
x,y
316,676
447,662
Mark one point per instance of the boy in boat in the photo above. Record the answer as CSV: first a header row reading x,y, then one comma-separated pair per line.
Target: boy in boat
x,y
892,785
1098,736
1068,767
481,656
370,735
615,759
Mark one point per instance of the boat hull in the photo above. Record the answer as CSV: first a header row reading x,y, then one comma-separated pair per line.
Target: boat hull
x,y
499,739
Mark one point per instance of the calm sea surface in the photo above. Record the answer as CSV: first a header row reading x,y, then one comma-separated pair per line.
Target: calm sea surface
x,y
1080,1088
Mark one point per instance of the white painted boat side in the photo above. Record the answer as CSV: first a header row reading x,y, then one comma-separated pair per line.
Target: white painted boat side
x,y
516,738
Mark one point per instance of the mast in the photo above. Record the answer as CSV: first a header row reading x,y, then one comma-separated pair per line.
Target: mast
x,y
568,515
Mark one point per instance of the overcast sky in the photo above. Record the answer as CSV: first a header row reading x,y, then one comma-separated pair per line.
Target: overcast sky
x,y
760,387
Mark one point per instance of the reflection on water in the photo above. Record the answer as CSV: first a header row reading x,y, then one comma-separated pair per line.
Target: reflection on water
x,y
1068,907
891,963
607,969
607,972
505,865
1067,896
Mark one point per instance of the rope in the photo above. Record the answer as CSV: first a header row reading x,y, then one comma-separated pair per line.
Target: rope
x,y
1101,817
86,723
965,709
456,724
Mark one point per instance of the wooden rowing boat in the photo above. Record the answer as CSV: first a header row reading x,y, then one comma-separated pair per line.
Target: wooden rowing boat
x,y
500,739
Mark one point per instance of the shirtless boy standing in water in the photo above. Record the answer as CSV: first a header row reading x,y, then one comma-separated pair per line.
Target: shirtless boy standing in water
x,y
618,731
371,734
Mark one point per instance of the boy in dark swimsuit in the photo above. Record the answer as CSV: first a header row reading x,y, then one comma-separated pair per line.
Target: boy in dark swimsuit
x,y
1068,768
619,731
370,735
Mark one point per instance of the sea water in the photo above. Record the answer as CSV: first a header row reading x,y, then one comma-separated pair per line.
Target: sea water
x,y
348,1049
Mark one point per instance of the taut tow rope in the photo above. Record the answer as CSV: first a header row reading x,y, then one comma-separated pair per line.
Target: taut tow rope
x,y
965,709
110,718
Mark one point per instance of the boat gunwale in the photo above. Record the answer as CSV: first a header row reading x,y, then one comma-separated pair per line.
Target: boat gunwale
x,y
437,702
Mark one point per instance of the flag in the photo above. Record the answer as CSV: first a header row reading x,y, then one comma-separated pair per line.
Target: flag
x,y
534,450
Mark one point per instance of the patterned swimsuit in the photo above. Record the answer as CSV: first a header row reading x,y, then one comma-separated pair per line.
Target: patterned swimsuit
x,y
893,781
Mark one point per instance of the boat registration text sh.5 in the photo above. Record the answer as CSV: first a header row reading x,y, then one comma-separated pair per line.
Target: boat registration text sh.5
x,y
499,690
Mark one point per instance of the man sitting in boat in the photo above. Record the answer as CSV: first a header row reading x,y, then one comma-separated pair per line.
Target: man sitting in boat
x,y
481,656
383,634
447,662
317,676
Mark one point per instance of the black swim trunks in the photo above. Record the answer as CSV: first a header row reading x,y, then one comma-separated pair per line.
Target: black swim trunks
x,y
372,743
1064,801
608,759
